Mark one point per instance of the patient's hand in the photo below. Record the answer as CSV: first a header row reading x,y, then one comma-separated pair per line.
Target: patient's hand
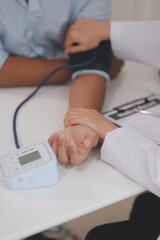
x,y
74,144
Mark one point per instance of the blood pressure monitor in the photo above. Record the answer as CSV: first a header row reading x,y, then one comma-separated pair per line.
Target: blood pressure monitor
x,y
36,166
29,167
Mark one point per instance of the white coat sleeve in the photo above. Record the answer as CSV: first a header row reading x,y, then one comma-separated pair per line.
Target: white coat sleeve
x,y
137,41
134,155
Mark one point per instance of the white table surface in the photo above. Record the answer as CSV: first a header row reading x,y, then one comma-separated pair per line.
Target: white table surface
x,y
80,190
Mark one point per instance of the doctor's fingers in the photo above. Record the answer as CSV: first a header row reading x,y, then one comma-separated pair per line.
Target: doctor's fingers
x,y
71,116
75,49
70,121
71,47
75,119
75,42
72,37
81,112
76,110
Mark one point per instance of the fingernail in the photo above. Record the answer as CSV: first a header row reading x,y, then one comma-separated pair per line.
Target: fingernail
x,y
87,142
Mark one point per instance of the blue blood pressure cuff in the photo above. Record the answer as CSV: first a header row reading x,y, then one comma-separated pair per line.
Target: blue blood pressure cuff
x,y
101,65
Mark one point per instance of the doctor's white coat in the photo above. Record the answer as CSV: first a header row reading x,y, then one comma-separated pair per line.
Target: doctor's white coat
x,y
135,155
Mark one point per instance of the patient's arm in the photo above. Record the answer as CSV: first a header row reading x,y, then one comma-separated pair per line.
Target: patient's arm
x,y
22,71
87,91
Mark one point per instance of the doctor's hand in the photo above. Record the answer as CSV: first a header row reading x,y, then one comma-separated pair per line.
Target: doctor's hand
x,y
74,144
91,118
87,33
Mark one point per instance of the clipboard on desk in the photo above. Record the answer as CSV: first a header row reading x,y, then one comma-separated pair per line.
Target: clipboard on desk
x,y
129,115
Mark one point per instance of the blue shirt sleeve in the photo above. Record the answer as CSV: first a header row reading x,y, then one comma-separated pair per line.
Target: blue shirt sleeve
x,y
96,9
3,54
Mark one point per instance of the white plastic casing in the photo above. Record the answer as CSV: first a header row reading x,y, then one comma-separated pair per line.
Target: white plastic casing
x,y
33,166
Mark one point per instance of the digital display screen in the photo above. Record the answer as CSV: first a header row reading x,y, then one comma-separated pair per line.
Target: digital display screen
x,y
29,158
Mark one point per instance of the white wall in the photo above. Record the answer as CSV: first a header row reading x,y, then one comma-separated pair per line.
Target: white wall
x,y
129,10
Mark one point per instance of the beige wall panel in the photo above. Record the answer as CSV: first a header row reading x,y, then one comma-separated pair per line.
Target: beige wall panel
x,y
129,10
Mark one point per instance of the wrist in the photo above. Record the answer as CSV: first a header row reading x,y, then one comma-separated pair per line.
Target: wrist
x,y
106,129
104,31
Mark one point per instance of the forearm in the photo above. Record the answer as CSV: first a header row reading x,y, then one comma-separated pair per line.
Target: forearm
x,y
87,91
22,71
